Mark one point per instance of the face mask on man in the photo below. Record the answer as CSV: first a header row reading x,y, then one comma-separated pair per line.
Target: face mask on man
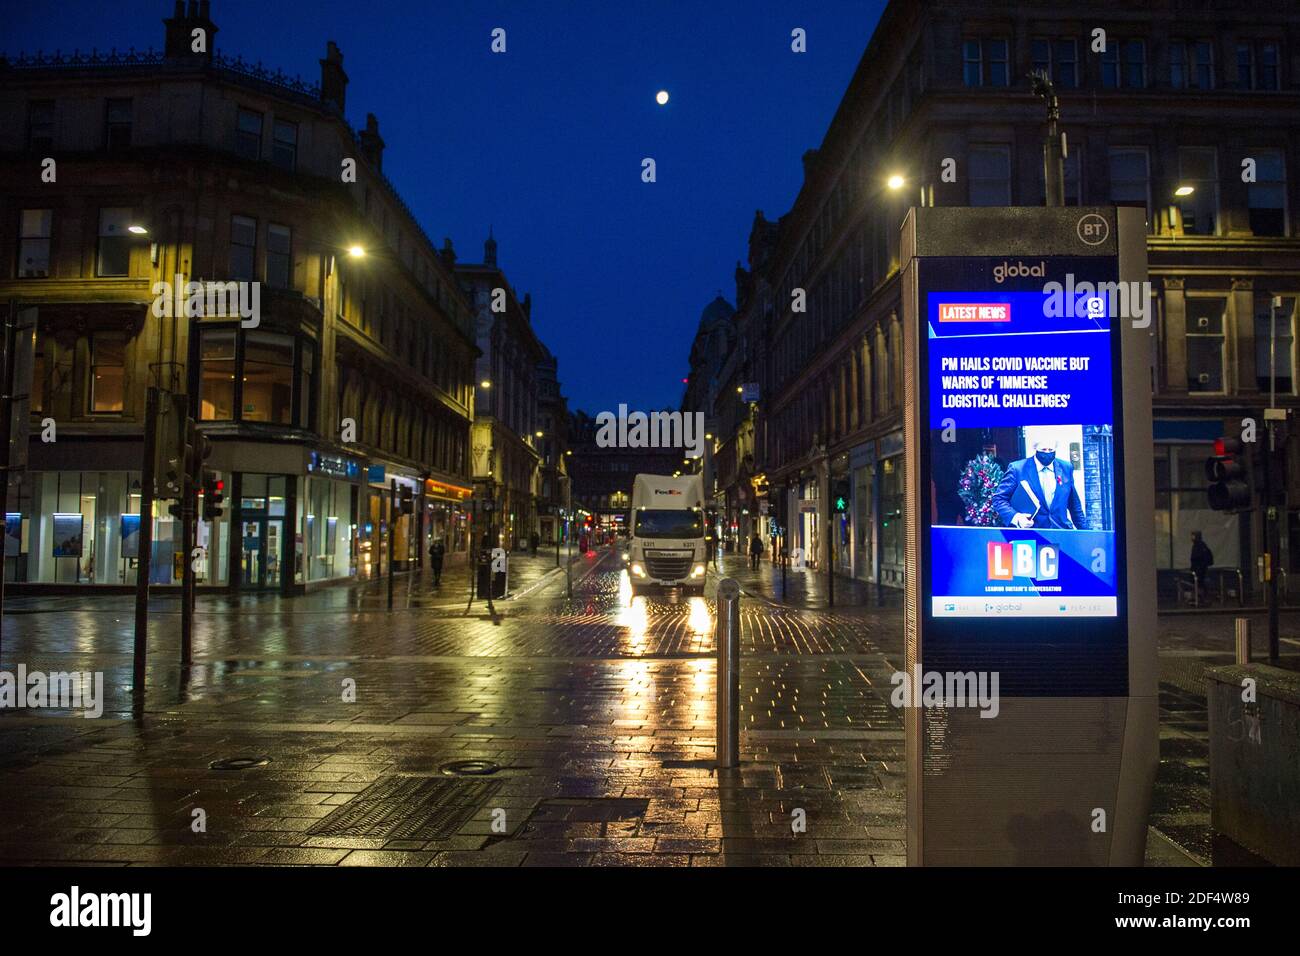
x,y
1045,458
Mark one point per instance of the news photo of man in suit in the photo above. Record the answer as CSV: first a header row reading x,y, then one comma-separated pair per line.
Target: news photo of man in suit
x,y
1039,492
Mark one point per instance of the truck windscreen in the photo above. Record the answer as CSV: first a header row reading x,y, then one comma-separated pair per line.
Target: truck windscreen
x,y
656,523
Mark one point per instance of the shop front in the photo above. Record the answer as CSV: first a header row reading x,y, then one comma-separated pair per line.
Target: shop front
x,y
862,470
446,516
889,514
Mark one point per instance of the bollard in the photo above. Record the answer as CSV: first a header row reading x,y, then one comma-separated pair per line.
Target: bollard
x,y
728,640
1243,640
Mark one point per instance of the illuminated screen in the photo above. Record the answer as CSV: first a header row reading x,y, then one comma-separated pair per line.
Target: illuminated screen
x,y
1022,398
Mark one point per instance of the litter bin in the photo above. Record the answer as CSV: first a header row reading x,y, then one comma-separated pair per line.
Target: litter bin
x,y
492,567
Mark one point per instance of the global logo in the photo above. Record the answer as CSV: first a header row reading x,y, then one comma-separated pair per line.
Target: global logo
x,y
1006,271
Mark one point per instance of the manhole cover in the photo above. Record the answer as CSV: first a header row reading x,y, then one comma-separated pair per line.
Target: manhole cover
x,y
469,768
239,763
408,808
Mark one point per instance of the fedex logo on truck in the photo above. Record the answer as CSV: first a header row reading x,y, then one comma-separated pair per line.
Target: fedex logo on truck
x,y
1023,559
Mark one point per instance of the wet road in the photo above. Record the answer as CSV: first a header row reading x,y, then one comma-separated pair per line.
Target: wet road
x,y
595,713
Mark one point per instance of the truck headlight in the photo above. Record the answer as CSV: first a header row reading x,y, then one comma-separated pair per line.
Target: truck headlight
x,y
697,570
638,570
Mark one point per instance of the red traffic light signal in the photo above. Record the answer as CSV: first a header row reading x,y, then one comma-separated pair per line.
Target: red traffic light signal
x,y
1229,488
214,495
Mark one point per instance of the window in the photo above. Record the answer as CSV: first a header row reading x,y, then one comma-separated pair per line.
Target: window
x,y
1267,357
34,243
279,264
217,375
990,176
284,147
268,378
307,385
984,62
114,242
117,123
243,248
1058,59
1266,196
40,125
1130,178
1205,325
1257,65
1124,64
1198,168
248,134
1191,65
107,371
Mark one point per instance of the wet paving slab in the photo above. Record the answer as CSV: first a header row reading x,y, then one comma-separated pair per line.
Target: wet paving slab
x,y
347,727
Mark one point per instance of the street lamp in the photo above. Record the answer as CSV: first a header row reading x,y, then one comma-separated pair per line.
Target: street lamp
x,y
1184,190
895,182
356,252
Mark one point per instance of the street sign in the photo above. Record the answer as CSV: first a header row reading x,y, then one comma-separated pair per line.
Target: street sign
x,y
1032,603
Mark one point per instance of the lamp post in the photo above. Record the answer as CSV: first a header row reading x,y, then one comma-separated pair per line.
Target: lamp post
x,y
1054,149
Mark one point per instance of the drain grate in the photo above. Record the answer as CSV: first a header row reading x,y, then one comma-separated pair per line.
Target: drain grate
x,y
408,808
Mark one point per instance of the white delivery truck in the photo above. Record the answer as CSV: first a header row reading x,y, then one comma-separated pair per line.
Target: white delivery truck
x,y
666,546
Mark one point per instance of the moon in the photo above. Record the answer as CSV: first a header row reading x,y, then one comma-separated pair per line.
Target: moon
x,y
661,97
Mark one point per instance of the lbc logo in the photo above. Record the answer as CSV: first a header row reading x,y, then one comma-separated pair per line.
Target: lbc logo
x,y
1023,559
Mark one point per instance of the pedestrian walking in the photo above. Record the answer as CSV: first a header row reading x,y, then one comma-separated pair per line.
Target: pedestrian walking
x,y
533,540
437,551
755,551
1201,560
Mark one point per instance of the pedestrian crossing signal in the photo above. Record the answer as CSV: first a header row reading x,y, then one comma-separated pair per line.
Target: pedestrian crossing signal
x,y
840,496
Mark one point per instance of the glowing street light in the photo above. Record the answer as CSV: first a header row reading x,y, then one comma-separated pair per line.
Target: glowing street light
x,y
1184,190
895,182
137,230
356,252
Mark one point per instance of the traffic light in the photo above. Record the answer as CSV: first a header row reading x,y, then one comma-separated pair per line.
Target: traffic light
x,y
840,495
171,445
1229,488
214,495
405,500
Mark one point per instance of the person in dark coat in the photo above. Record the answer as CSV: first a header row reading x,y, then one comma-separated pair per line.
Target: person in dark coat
x,y
1202,559
755,551
436,553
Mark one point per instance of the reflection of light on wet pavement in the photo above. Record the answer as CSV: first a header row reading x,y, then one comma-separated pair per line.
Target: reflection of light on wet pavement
x,y
699,621
637,693
633,617
624,589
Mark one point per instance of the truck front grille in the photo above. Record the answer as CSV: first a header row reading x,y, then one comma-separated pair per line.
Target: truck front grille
x,y
667,567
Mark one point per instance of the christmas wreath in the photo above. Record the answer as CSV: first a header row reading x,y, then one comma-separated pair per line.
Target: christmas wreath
x,y
979,479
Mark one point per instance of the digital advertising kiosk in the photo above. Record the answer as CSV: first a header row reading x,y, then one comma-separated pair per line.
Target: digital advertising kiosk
x,y
1030,536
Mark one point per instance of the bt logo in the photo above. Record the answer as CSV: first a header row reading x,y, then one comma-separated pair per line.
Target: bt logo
x,y
1023,559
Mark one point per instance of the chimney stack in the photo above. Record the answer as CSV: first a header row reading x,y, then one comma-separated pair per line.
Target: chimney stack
x,y
178,42
447,253
372,144
333,81
490,250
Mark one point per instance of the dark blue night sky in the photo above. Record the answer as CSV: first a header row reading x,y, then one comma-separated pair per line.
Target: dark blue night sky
x,y
545,142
